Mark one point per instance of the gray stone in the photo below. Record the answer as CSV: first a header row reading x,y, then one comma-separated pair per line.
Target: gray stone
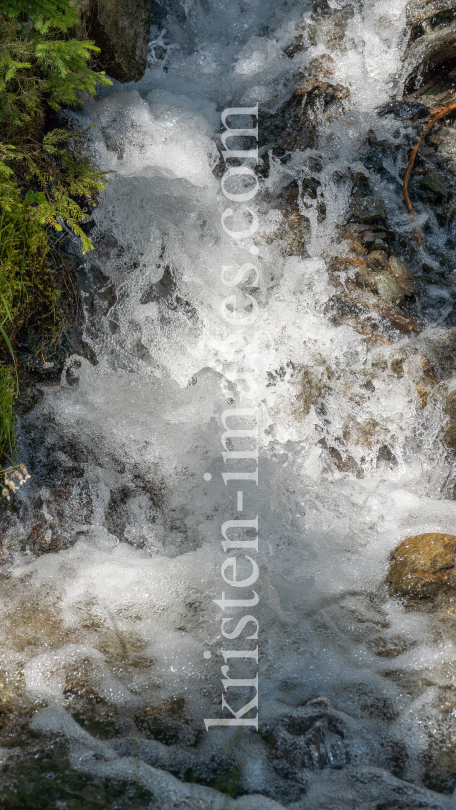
x,y
434,182
368,209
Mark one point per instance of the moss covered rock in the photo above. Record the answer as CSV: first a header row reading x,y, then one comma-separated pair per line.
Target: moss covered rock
x,y
423,565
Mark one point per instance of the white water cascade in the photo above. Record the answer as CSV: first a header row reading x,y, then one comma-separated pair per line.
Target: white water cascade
x,y
115,622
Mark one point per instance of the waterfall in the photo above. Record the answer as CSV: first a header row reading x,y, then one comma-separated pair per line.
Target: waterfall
x,y
113,559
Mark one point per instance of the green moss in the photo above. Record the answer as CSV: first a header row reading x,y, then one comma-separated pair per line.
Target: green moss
x,y
47,185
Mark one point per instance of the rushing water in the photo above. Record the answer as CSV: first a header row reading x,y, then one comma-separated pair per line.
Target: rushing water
x,y
104,628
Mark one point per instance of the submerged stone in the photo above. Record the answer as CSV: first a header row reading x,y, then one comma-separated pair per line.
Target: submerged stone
x,y
423,565
368,209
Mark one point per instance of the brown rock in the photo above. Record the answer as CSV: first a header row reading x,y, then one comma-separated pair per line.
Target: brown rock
x,y
314,88
378,260
292,232
347,262
423,565
423,393
356,246
397,366
397,319
365,278
310,389
402,275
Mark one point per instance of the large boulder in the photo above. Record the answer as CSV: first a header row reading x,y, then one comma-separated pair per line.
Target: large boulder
x,y
121,31
423,565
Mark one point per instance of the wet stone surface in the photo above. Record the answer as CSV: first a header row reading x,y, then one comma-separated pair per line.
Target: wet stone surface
x,y
424,565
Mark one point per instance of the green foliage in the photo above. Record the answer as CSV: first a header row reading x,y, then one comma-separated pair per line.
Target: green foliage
x,y
47,185
61,13
7,391
40,67
58,175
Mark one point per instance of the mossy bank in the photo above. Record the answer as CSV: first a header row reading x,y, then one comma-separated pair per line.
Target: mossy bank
x,y
48,188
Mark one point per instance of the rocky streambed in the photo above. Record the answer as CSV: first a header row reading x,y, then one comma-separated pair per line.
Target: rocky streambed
x,y
110,553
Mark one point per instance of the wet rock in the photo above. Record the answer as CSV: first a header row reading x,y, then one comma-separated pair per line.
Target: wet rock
x,y
169,723
390,646
297,46
345,464
386,458
71,373
364,310
423,565
43,777
433,182
306,739
370,238
121,31
405,110
356,246
440,770
365,278
377,259
402,275
449,410
423,392
314,89
396,318
330,24
397,366
368,209
374,789
292,233
294,125
361,433
288,130
419,10
427,52
310,389
388,289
